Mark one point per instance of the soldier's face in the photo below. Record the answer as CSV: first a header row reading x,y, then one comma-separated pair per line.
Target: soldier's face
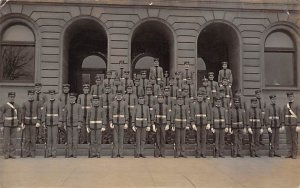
x,y
117,82
126,75
257,95
224,66
129,90
236,104
166,93
119,96
143,75
254,104
137,83
211,77
96,102
200,97
218,102
72,99
107,90
98,82
205,83
187,66
141,100
37,88
160,99
66,89
86,90
291,98
11,98
180,101
52,96
156,63
149,92
273,101
30,97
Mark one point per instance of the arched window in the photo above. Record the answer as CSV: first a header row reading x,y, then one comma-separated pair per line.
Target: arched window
x,y
17,54
280,60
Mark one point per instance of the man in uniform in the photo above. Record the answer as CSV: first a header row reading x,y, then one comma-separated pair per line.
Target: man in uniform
x,y
178,79
132,101
273,123
170,103
118,122
138,90
51,120
180,123
200,121
160,124
166,79
64,100
156,72
31,114
140,124
243,104
97,89
107,99
255,128
85,100
227,92
95,127
109,78
262,106
126,81
144,81
219,119
208,94
155,87
225,73
118,86
191,88
173,88
41,98
72,120
291,121
214,86
10,123
237,122
150,101
187,71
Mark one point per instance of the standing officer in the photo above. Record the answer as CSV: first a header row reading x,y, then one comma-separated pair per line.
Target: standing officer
x,y
118,86
118,122
225,73
155,87
291,121
10,121
41,98
200,120
95,127
208,94
156,72
254,121
31,114
126,81
160,124
144,81
170,103
72,120
180,123
243,104
219,120
107,99
191,88
173,88
273,116
187,71
97,89
214,86
140,124
109,78
262,106
150,101
138,90
166,79
178,79
237,121
85,100
64,100
227,92
52,119
132,101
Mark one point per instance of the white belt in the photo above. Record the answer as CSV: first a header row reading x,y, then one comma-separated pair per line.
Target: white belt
x,y
52,115
237,123
180,120
161,116
273,117
141,119
173,97
184,79
105,106
200,115
31,117
150,108
290,116
87,107
131,106
208,98
219,120
254,120
213,91
121,116
158,78
95,121
227,96
10,118
192,98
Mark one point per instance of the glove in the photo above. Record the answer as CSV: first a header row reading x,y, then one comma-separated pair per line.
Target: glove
x,y
111,125
19,129
187,128
230,131
102,129
298,129
167,127
250,131
22,126
173,128
226,130
245,131
148,129
281,129
261,131
134,128
213,130
154,129
37,125
125,126
44,125
88,130
269,130
194,127
208,126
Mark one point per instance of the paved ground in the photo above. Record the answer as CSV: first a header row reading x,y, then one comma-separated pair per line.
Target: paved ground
x,y
150,172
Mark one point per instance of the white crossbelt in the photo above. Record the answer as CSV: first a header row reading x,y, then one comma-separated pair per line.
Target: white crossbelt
x,y
219,120
52,115
10,118
200,115
141,119
116,116
254,120
31,117
181,120
273,117
95,122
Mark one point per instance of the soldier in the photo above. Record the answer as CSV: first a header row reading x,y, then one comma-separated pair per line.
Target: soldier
x,y
64,100
219,121
225,101
41,98
178,80
10,123
166,79
132,101
200,120
262,106
140,124
144,81
185,94
273,123
51,120
97,89
208,94
31,114
214,86
160,124
170,103
138,89
85,100
243,104
155,87
156,71
118,122
225,73
291,121
187,71
118,86
227,92
72,120
107,99
150,101
191,88
255,128
173,88
126,81
109,79
180,123
95,127
237,121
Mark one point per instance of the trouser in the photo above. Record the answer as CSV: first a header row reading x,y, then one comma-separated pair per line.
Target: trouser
x,y
129,132
30,140
160,139
10,141
274,141
96,138
72,141
201,140
219,141
180,141
118,146
237,141
254,141
61,135
40,135
291,136
52,140
140,140
83,134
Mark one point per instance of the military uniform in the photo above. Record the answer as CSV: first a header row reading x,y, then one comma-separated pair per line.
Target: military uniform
x,y
208,94
97,89
173,90
214,86
64,100
150,101
107,98
108,80
41,98
138,90
188,72
10,120
178,80
52,118
131,100
144,81
262,106
225,73
156,72
126,81
117,86
166,80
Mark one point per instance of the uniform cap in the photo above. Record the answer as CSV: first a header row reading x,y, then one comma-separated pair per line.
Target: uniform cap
x,y
143,72
186,63
86,86
51,91
272,96
96,97
254,100
204,79
37,84
289,93
66,85
257,91
126,72
119,91
217,98
97,77
156,59
12,93
224,62
30,92
167,88
72,94
237,99
201,91
211,73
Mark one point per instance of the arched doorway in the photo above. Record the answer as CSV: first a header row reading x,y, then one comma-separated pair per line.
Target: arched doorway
x,y
149,40
219,42
85,53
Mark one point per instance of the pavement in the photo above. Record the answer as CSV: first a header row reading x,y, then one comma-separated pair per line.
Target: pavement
x,y
150,172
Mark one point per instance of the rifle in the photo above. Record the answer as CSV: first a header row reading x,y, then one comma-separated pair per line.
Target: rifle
x,y
22,137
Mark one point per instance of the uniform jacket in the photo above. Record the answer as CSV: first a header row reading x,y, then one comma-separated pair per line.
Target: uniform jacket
x,y
156,72
141,119
161,114
31,112
225,74
85,100
10,117
144,82
96,118
273,119
214,87
72,115
138,90
200,113
173,91
109,81
180,116
288,118
96,90
64,99
131,100
254,118
187,73
192,91
40,97
115,88
219,117
118,113
126,82
52,114
236,118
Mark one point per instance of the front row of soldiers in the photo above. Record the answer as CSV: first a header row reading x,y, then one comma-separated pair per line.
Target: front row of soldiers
x,y
199,116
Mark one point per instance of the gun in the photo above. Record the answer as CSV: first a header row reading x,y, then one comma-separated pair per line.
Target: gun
x,y
22,137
